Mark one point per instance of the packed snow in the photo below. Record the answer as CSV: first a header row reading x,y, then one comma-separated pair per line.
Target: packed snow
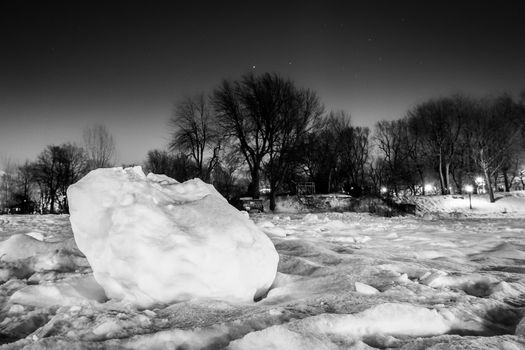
x,y
344,281
153,240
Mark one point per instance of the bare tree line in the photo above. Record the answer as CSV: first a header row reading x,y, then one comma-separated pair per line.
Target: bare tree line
x,y
264,130
280,136
453,139
40,186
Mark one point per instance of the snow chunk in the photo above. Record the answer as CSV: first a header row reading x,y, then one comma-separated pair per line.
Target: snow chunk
x,y
21,246
520,328
365,289
110,326
278,337
387,319
71,292
382,320
153,240
36,255
270,229
36,235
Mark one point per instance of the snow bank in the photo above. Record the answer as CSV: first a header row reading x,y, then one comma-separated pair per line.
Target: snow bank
x,y
507,204
153,240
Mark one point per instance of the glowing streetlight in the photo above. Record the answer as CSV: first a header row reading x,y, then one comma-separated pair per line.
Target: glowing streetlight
x,y
384,190
469,189
429,188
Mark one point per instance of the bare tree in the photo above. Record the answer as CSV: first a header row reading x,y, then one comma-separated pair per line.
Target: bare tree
x,y
228,176
495,135
179,167
100,147
25,191
7,182
196,134
267,115
299,111
319,153
442,122
392,141
354,155
56,168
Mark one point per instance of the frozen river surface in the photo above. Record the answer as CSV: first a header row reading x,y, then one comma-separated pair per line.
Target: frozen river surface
x,y
345,281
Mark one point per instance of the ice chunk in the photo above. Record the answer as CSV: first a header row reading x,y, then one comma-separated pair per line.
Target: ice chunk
x,y
375,323
153,240
71,292
278,337
520,328
37,255
36,235
365,289
107,327
21,246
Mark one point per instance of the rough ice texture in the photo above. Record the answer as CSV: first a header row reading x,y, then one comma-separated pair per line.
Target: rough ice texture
x,y
153,240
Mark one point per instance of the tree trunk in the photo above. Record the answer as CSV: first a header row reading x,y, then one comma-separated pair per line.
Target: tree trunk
x,y
506,181
441,179
489,185
458,183
421,177
254,185
66,205
329,181
447,177
272,199
52,205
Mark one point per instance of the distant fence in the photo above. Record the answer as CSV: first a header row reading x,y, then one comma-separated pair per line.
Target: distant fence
x,y
305,188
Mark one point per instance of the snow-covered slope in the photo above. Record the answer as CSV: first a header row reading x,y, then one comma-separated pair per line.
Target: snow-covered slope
x,y
511,204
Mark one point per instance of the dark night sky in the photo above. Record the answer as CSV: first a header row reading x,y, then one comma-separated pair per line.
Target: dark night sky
x,y
65,66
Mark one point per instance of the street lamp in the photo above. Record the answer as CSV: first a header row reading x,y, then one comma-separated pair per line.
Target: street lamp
x,y
469,189
384,190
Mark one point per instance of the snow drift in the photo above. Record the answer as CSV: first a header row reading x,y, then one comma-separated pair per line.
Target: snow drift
x,y
153,240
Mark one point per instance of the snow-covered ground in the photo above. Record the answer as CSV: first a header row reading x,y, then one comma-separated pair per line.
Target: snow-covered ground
x,y
507,204
345,281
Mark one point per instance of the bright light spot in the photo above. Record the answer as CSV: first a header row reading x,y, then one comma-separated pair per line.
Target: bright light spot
x,y
429,188
480,180
384,189
469,188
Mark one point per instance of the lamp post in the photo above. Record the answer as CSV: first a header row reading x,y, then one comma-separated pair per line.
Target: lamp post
x,y
469,189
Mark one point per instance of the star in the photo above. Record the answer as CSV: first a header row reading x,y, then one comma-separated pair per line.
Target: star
x,y
253,67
